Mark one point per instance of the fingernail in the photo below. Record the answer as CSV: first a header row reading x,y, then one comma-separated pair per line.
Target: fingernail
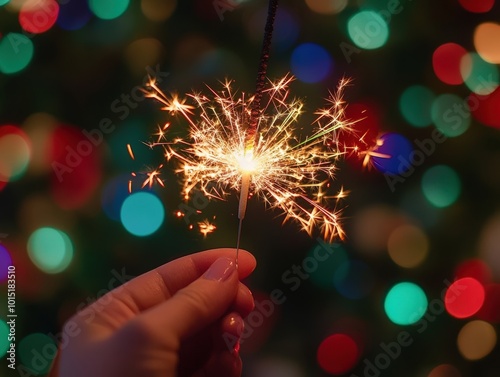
x,y
237,325
220,270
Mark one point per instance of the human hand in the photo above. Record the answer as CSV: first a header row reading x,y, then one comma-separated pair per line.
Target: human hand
x,y
167,322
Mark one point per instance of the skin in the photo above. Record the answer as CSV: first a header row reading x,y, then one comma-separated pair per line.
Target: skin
x,y
167,322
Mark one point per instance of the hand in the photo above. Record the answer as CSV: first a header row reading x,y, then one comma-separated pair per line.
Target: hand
x,y
167,322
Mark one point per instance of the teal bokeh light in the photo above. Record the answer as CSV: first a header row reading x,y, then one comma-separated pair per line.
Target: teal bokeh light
x,y
50,250
405,303
441,186
368,30
480,76
16,52
108,9
451,115
142,214
4,342
36,353
415,104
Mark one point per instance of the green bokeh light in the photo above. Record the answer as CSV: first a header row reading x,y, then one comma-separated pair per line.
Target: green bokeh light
x,y
450,115
50,250
441,186
480,76
4,342
405,303
368,30
415,104
142,214
108,9
36,352
3,2
16,52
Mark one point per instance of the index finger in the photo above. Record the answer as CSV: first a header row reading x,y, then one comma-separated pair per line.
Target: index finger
x,y
158,285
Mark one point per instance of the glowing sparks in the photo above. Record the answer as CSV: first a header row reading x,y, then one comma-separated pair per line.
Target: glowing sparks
x,y
286,172
206,227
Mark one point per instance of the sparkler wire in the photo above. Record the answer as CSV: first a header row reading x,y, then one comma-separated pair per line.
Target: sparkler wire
x,y
255,113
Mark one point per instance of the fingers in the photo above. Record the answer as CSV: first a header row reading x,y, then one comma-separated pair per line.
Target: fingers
x,y
156,286
196,306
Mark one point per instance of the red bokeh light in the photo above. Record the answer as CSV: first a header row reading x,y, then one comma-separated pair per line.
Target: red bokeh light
x,y
464,297
485,108
337,354
490,311
38,16
446,61
477,6
474,268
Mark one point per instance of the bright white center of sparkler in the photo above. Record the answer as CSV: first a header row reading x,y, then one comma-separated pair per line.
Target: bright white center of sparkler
x,y
246,162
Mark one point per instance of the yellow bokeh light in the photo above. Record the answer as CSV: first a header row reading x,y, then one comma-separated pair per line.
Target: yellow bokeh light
x,y
326,6
158,10
486,38
476,340
408,246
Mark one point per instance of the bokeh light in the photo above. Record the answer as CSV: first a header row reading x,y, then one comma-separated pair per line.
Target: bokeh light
x,y
446,61
354,279
488,242
397,154
16,52
415,104
486,37
39,128
489,311
451,115
464,297
158,10
15,153
445,370
108,9
3,2
326,6
74,14
38,16
441,186
50,249
337,354
477,6
286,28
368,30
372,227
484,107
310,63
408,246
76,165
143,53
142,214
474,268
37,344
5,262
405,303
4,342
476,340
480,76
113,195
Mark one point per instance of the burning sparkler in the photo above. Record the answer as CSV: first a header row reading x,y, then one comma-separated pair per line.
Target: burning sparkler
x,y
287,172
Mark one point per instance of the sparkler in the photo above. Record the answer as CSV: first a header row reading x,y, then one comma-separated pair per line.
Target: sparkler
x,y
244,143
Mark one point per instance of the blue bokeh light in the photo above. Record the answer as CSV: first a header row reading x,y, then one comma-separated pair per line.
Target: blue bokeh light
x,y
311,63
142,214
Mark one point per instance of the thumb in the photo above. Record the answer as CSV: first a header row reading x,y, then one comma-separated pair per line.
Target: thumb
x,y
199,304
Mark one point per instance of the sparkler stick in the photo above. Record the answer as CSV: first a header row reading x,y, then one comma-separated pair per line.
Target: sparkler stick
x,y
256,110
